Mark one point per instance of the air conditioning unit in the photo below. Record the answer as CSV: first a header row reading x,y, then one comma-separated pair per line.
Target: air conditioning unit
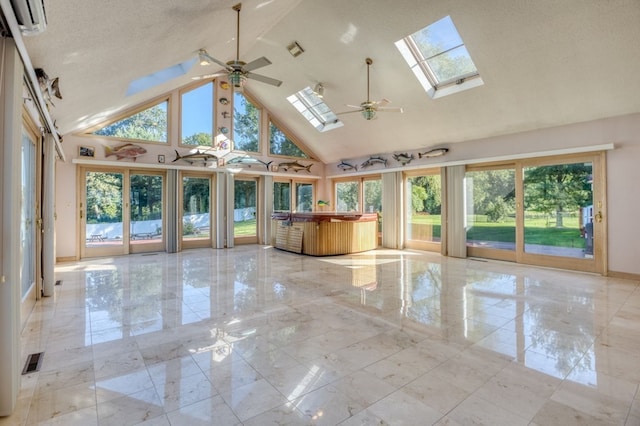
x,y
30,15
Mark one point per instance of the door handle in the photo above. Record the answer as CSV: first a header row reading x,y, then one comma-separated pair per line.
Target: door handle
x,y
598,217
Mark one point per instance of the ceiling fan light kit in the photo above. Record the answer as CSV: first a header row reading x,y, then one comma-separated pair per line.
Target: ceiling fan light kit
x,y
370,108
236,70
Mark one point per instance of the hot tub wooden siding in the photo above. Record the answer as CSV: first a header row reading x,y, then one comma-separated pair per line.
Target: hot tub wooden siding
x,y
326,234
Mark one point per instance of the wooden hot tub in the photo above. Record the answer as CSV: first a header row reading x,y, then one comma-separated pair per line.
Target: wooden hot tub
x,y
325,234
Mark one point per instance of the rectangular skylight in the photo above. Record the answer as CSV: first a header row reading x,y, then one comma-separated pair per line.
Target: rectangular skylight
x,y
439,59
314,110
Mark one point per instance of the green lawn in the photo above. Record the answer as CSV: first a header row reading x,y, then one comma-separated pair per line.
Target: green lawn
x,y
246,227
537,230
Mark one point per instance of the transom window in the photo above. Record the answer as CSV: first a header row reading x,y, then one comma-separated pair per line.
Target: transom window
x,y
246,124
149,125
281,144
439,59
196,114
314,110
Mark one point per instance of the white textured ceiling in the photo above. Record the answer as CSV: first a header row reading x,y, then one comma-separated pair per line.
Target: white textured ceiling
x,y
544,63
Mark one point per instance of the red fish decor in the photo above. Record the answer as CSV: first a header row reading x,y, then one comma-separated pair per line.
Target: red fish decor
x,y
125,151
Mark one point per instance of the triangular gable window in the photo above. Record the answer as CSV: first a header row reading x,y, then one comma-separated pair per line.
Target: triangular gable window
x,y
281,144
150,124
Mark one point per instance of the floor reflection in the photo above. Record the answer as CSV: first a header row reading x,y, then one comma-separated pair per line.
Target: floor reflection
x,y
254,335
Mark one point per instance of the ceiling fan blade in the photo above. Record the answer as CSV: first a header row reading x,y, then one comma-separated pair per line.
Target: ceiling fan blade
x,y
381,102
355,106
264,79
348,112
214,60
206,76
390,109
257,63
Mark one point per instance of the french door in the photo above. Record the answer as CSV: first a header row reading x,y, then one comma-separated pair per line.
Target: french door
x,y
196,224
423,209
121,212
30,222
546,211
245,210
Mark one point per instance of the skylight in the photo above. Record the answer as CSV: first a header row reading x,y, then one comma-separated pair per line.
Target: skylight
x,y
439,59
314,110
159,77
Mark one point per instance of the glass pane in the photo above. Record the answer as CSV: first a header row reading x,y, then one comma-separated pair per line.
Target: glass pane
x,y
28,209
148,125
558,210
304,197
490,200
196,116
347,195
104,209
280,144
246,124
424,207
244,213
196,218
437,37
373,196
373,200
146,209
452,64
281,196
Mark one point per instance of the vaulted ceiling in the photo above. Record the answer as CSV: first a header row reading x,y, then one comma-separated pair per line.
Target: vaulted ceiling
x,y
544,63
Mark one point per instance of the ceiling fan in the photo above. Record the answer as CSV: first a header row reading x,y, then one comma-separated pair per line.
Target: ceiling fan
x,y
237,71
369,108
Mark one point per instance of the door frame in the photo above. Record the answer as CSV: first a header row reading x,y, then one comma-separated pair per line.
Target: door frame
x,y
597,264
249,239
200,243
126,247
419,244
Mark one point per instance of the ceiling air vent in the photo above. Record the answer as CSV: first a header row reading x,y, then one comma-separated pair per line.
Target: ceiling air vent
x,y
30,15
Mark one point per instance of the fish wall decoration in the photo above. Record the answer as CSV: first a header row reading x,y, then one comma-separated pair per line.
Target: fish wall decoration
x,y
248,161
344,166
374,160
295,166
125,151
403,159
49,87
437,152
196,156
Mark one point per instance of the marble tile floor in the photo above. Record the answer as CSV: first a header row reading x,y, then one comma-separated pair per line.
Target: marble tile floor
x,y
256,336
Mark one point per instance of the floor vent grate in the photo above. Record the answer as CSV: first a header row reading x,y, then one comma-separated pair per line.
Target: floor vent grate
x,y
150,254
59,282
34,361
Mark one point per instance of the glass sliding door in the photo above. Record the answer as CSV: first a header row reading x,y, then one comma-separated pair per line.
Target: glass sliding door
x,y
146,212
372,192
491,212
245,209
102,213
563,213
196,211
543,211
28,225
423,208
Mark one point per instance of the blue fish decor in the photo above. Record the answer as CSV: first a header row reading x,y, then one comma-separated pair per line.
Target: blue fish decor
x,y
403,159
344,166
374,160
